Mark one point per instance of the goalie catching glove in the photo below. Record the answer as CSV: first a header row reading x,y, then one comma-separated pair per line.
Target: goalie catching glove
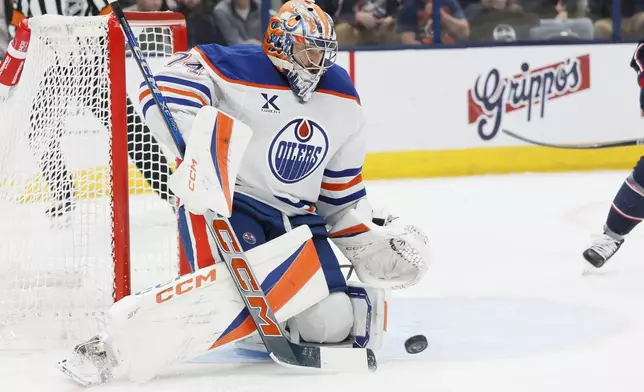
x,y
383,253
206,178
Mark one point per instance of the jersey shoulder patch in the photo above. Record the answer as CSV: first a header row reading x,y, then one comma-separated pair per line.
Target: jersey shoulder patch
x,y
242,64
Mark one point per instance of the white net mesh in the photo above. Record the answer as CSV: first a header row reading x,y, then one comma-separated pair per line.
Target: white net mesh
x,y
56,232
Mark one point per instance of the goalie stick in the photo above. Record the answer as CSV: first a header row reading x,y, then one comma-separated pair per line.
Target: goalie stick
x,y
577,146
280,349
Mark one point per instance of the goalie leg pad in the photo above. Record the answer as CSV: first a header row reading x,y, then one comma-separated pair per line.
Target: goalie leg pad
x,y
370,314
328,321
357,319
194,313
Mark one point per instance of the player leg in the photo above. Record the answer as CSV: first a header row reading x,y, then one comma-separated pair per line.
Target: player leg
x,y
188,316
625,213
46,128
46,120
331,320
353,315
255,223
197,245
58,178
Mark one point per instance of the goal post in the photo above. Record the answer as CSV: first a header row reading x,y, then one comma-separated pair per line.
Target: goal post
x,y
73,123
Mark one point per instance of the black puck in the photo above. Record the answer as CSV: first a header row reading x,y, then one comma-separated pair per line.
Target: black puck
x,y
416,344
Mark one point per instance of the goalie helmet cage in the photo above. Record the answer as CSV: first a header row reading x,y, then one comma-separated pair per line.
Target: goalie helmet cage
x,y
68,131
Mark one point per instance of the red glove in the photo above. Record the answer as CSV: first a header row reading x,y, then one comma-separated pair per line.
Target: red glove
x,y
13,61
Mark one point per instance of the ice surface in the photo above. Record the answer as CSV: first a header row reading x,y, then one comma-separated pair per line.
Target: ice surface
x,y
504,305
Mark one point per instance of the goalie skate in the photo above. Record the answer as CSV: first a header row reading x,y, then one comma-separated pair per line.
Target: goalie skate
x,y
90,363
602,249
60,209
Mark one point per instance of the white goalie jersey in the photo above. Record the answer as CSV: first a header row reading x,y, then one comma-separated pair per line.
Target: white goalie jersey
x,y
303,158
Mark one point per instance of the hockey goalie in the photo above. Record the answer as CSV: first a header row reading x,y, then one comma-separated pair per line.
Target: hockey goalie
x,y
275,141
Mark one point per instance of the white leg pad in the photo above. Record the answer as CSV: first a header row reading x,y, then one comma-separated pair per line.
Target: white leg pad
x,y
369,313
328,321
193,314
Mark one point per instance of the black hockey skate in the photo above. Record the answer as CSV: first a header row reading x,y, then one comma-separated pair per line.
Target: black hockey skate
x,y
60,208
602,249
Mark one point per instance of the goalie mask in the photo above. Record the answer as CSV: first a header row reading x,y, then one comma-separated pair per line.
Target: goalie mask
x,y
301,43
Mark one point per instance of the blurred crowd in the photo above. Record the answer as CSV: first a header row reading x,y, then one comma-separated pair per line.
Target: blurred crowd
x,y
409,22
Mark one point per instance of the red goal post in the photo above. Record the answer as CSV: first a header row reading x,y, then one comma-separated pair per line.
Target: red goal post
x,y
73,122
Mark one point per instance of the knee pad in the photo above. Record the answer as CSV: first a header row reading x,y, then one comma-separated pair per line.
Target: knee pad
x,y
328,321
356,319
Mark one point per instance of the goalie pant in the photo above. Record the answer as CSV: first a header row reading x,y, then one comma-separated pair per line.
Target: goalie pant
x,y
256,223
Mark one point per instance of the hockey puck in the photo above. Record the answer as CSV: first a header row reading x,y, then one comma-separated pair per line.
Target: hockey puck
x,y
416,344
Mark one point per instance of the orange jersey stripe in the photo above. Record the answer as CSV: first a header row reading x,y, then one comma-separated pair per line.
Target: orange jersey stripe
x,y
357,229
337,94
274,87
224,133
174,91
328,186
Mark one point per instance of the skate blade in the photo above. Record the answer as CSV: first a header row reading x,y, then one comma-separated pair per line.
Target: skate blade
x,y
62,366
588,269
60,222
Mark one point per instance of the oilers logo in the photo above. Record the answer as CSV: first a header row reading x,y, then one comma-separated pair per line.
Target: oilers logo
x,y
298,149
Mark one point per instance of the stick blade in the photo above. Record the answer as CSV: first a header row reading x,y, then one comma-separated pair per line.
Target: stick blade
x,y
330,359
577,146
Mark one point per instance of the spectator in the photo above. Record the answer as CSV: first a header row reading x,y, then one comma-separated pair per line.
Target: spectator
x,y
500,20
343,13
239,21
632,18
363,22
376,22
555,20
415,22
152,39
200,22
4,26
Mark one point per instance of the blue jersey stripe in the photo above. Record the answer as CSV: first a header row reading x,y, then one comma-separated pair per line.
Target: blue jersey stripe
x,y
169,100
298,204
183,82
343,200
342,173
248,64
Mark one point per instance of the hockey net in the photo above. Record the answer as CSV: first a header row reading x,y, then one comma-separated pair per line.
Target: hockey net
x,y
85,214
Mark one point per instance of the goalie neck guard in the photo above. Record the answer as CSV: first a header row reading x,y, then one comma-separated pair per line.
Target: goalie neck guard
x,y
301,43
